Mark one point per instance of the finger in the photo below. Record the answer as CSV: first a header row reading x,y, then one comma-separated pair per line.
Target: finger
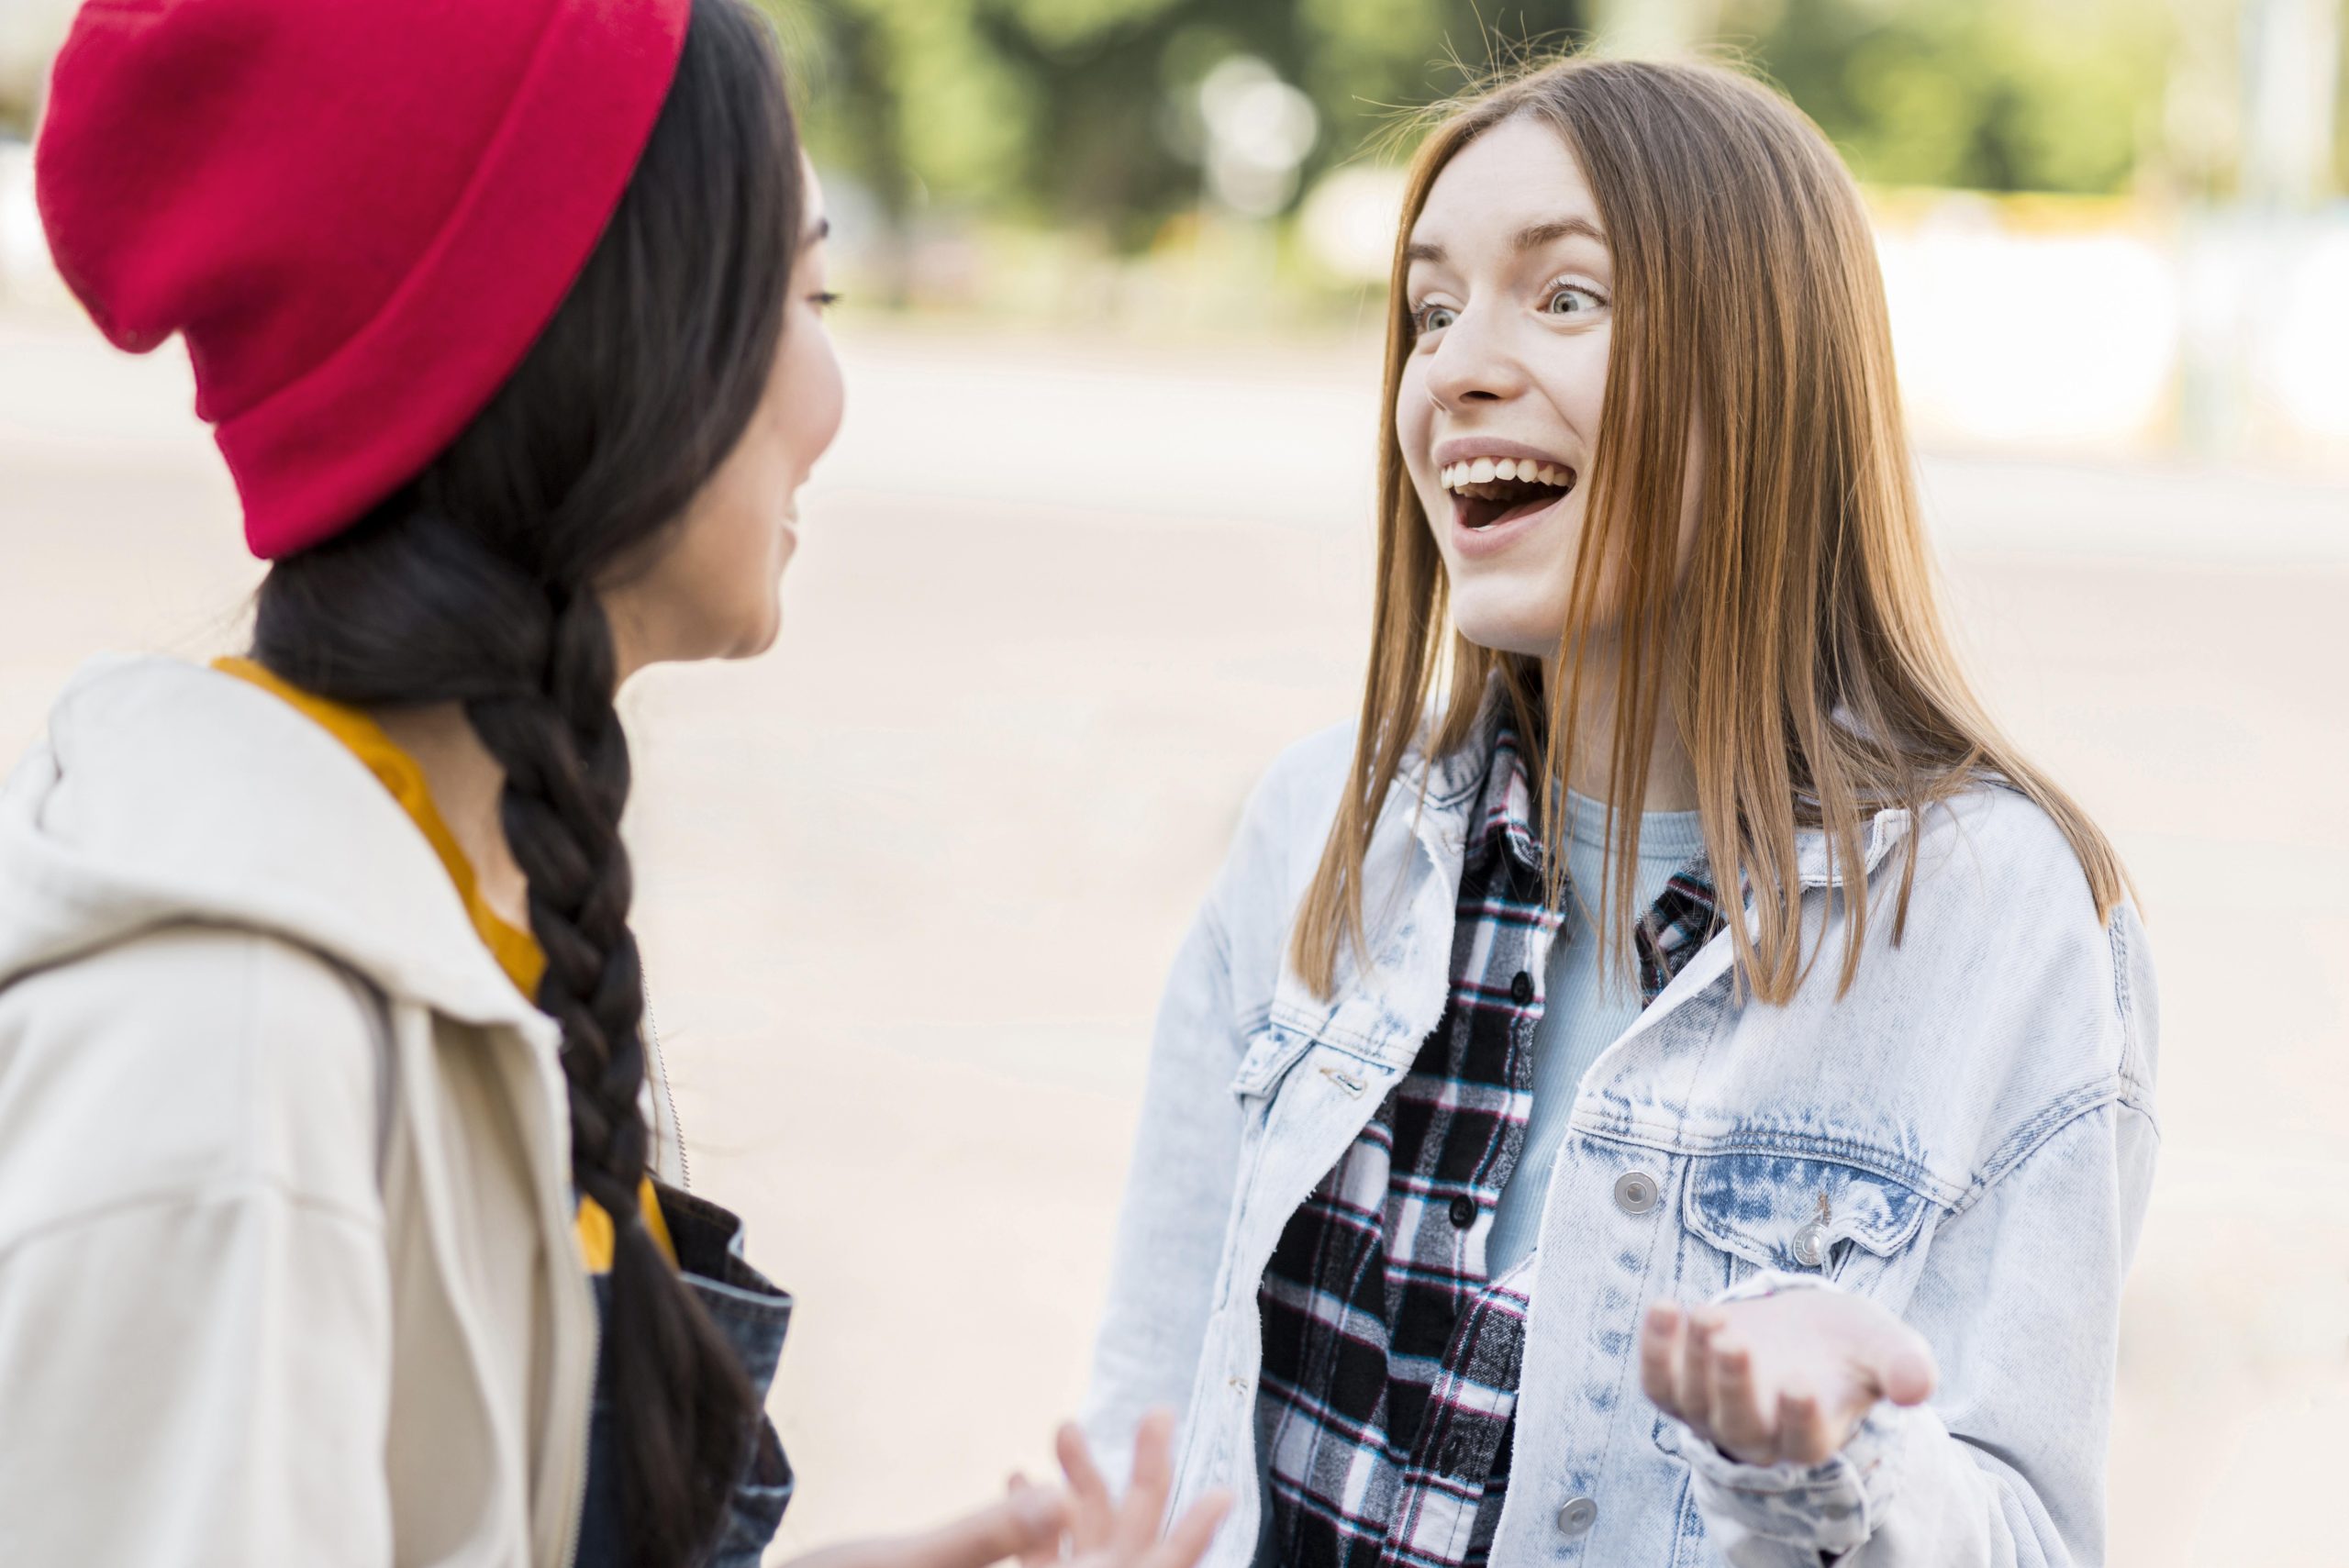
x,y
1046,1552
1025,1522
1092,1508
1803,1437
1695,1388
1738,1425
1659,1349
1193,1533
1145,1505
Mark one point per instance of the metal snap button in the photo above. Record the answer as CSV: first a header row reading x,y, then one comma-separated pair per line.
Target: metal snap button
x,y
1578,1516
1811,1245
1635,1191
1464,1211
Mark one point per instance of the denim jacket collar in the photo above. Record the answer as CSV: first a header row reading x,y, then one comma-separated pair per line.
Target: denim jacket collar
x,y
1387,997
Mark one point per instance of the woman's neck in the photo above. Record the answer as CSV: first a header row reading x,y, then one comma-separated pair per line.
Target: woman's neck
x,y
468,786
1670,784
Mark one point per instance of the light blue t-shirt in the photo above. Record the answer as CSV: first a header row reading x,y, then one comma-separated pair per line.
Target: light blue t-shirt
x,y
1584,1008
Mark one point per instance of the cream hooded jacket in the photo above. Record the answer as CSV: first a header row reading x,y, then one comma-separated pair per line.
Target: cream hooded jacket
x,y
287,1267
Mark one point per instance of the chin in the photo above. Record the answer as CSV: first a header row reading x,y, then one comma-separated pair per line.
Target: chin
x,y
1508,625
762,642
757,633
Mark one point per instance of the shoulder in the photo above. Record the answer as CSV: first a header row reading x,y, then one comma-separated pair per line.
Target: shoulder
x,y
1287,821
187,1062
2004,965
1990,839
1995,873
1307,775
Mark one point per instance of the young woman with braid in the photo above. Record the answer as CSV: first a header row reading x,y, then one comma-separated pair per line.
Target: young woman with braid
x,y
329,1225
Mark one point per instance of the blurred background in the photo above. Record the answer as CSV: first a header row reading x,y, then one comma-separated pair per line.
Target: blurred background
x,y
1095,545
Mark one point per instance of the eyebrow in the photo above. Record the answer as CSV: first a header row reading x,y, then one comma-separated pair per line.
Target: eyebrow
x,y
1532,237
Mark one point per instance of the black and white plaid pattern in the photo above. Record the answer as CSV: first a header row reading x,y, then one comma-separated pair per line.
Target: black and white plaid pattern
x,y
1391,1362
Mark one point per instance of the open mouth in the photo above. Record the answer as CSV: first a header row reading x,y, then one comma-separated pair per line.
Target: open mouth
x,y
1492,491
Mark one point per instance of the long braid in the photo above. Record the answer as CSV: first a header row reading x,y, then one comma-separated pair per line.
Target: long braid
x,y
567,773
476,583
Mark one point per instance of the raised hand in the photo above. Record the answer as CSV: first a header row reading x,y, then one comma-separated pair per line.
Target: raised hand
x,y
1083,1528
1782,1379
1029,1521
1105,1532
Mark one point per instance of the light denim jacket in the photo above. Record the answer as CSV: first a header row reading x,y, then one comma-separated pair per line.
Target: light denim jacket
x,y
1977,1114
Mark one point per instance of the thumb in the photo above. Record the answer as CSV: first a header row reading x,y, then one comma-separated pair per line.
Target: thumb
x,y
1904,1366
1028,1521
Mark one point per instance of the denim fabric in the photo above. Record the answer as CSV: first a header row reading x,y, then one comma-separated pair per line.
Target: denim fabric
x,y
1965,1137
753,1316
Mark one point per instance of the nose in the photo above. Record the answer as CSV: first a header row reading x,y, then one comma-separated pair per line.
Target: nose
x,y
1473,363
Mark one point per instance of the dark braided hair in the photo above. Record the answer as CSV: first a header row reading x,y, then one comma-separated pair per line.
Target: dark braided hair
x,y
478,583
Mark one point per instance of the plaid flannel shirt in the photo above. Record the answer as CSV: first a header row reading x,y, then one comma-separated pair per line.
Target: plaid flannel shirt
x,y
1391,1362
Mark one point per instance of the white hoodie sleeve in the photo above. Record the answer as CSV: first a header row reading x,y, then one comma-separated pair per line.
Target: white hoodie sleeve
x,y
195,1304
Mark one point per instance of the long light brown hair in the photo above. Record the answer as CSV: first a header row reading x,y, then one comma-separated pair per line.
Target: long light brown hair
x,y
1801,645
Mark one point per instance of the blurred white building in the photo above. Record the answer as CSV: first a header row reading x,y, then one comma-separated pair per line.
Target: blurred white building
x,y
2056,323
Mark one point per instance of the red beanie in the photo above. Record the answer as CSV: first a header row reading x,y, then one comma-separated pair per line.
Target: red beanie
x,y
359,213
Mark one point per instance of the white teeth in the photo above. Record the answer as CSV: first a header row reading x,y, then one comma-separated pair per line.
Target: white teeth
x,y
1485,470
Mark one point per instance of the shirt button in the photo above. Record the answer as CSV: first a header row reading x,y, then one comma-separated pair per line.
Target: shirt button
x,y
1635,1191
1454,1454
1578,1516
1464,1211
1520,989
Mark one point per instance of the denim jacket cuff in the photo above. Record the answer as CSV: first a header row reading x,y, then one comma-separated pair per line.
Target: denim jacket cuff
x,y
1771,1282
1823,1510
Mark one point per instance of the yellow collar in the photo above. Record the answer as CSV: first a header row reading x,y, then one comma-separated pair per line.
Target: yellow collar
x,y
517,952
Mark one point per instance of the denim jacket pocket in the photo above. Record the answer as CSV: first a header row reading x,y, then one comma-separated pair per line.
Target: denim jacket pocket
x,y
1741,1213
1794,1213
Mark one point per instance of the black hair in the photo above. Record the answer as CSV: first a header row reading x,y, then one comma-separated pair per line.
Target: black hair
x,y
478,583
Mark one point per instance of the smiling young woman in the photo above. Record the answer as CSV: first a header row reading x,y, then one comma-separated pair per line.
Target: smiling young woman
x,y
1501,1071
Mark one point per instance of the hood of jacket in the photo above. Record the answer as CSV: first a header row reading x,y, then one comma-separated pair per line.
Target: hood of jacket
x,y
168,793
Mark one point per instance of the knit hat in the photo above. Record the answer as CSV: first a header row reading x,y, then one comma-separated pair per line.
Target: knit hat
x,y
359,213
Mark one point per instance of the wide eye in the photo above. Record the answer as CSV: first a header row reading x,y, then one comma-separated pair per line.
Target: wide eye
x,y
1572,299
1435,317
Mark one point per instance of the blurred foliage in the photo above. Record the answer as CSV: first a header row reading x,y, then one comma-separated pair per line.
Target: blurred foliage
x,y
1082,112
1078,112
1986,94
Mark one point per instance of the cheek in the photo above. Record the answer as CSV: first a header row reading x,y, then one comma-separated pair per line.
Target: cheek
x,y
1414,424
727,557
728,561
1577,384
814,395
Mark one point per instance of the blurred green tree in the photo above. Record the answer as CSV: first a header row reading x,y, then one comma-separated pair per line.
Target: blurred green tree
x,y
1080,112
1084,113
1986,94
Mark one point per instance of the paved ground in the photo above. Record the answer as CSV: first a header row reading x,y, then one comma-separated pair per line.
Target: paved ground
x,y
910,884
